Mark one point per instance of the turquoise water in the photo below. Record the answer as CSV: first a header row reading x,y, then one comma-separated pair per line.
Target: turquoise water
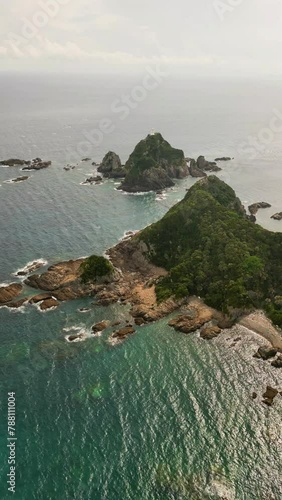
x,y
163,415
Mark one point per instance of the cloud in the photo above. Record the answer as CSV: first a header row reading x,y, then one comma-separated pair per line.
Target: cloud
x,y
46,48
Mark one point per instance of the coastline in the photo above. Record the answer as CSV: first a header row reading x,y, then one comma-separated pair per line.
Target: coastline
x,y
258,323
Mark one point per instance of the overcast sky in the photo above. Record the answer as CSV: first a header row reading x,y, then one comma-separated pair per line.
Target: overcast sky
x,y
200,36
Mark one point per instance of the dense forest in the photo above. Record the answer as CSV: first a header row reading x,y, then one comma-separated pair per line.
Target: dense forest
x,y
212,250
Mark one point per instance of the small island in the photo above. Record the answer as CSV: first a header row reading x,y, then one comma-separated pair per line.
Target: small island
x,y
153,165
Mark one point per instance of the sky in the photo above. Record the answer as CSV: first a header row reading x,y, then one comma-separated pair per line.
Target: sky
x,y
219,37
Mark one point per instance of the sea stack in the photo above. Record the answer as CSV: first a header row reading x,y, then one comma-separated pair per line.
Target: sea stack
x,y
153,165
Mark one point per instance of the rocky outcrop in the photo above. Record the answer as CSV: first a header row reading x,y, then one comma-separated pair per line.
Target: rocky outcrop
x,y
30,268
277,363
269,395
57,276
63,281
10,292
16,304
254,208
123,333
207,166
37,164
210,332
13,162
201,166
265,353
49,303
153,165
277,216
97,179
100,327
195,171
40,298
20,179
111,166
223,158
196,317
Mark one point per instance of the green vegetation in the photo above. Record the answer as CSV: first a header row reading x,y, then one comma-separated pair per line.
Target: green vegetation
x,y
95,267
151,152
212,250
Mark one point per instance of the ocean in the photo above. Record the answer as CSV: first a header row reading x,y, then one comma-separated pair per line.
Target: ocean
x,y
162,415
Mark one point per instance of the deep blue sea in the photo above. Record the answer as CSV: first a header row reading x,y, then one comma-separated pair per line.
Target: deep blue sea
x,y
163,415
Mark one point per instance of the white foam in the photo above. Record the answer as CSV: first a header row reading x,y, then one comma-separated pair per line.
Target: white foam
x,y
14,309
41,261
140,193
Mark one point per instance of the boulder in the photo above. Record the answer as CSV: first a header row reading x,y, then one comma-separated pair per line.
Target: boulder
x,y
39,298
73,338
123,333
86,159
99,327
9,292
140,321
210,332
265,353
254,395
269,395
49,304
277,363
277,216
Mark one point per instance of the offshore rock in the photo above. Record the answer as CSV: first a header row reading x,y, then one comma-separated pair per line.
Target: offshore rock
x,y
277,363
99,327
12,162
195,171
269,395
37,164
123,333
277,216
50,303
223,158
253,209
209,166
111,166
210,332
9,292
196,316
265,353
